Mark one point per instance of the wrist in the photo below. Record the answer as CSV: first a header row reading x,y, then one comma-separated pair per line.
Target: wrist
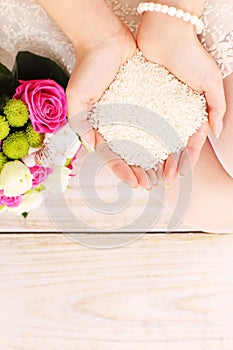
x,y
83,21
162,28
159,36
95,23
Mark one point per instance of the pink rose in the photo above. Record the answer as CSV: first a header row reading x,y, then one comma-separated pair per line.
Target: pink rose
x,y
40,174
10,202
46,101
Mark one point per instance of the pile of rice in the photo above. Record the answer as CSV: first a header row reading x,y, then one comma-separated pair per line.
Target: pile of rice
x,y
147,113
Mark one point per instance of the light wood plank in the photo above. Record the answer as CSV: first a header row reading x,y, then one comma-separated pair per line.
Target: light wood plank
x,y
166,292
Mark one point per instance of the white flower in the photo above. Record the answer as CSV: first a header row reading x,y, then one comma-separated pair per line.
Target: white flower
x,y
29,160
31,200
58,147
66,143
46,155
15,179
58,181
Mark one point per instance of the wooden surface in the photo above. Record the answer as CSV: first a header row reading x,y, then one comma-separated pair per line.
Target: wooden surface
x,y
165,292
96,201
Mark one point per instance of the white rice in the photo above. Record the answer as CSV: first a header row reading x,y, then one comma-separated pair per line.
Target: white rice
x,y
147,113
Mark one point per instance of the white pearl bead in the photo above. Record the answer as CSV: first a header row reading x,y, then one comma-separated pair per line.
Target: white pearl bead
x,y
179,13
164,9
151,7
199,27
194,19
158,7
139,9
186,16
171,11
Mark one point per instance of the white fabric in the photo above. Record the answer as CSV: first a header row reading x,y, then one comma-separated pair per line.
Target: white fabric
x,y
25,26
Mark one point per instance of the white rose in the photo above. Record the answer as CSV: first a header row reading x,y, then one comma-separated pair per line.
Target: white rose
x,y
31,200
15,179
58,181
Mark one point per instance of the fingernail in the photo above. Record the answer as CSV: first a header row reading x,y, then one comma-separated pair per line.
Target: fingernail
x,y
135,188
169,178
219,129
147,189
185,165
89,148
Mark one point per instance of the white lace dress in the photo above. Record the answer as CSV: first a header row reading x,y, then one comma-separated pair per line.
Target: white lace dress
x,y
25,26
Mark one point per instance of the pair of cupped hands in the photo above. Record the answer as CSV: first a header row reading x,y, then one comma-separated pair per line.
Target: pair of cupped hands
x,y
170,42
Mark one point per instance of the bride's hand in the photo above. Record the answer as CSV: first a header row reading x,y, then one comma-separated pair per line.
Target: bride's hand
x,y
173,43
98,61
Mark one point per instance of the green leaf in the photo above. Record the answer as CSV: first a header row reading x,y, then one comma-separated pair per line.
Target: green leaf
x,y
29,66
25,215
40,188
7,81
3,100
68,161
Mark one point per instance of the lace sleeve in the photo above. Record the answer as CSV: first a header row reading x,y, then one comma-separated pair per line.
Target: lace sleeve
x,y
217,37
24,25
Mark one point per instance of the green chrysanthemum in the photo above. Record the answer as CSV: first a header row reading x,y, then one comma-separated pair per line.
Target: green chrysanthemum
x,y
35,139
16,113
3,160
16,145
4,128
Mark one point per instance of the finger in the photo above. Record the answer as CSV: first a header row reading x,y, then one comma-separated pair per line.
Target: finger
x,y
159,172
171,168
153,177
81,125
143,179
190,155
215,98
121,170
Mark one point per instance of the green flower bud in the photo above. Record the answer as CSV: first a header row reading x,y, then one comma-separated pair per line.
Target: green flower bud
x,y
35,139
16,145
3,161
16,113
4,128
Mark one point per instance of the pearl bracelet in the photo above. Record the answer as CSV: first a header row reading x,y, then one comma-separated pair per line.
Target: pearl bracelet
x,y
172,11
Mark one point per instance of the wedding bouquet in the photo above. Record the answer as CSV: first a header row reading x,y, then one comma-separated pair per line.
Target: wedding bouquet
x,y
37,147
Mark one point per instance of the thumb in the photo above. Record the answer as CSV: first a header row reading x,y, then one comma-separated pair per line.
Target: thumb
x,y
80,98
88,82
79,122
90,78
